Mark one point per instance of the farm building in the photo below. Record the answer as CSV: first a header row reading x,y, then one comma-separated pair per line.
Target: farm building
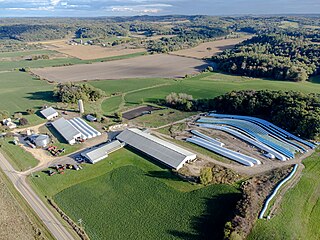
x,y
163,151
40,140
86,130
91,118
99,153
49,113
67,131
75,129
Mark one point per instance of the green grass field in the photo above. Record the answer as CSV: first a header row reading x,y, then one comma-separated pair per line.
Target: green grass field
x,y
19,158
298,216
130,197
19,91
11,65
207,85
25,53
161,117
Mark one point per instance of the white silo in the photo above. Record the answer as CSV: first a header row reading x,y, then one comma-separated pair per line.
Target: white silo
x,y
81,107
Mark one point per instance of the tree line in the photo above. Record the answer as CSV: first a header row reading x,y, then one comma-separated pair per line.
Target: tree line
x,y
281,57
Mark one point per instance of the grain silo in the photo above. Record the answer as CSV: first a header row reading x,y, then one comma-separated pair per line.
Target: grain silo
x,y
81,107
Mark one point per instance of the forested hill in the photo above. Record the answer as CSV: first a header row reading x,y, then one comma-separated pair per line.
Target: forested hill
x,y
278,56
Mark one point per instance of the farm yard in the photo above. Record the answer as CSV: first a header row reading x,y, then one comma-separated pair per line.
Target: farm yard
x,y
209,49
126,173
159,197
151,66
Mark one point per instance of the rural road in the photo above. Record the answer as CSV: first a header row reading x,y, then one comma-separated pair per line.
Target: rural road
x,y
57,229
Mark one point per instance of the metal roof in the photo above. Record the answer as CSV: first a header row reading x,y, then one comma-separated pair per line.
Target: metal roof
x,y
168,153
65,128
48,112
99,153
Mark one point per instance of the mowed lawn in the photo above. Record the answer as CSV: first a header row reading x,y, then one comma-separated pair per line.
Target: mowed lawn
x,y
299,213
128,196
19,91
20,159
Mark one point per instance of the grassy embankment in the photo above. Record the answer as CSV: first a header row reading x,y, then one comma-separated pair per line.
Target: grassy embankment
x,y
298,215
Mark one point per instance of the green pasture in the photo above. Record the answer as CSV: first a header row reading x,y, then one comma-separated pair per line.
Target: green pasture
x,y
19,91
298,216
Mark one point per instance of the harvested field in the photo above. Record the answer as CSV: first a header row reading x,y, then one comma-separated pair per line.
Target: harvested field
x,y
134,113
209,49
14,223
89,52
151,66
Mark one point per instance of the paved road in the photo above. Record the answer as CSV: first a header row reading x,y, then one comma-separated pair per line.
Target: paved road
x,y
57,229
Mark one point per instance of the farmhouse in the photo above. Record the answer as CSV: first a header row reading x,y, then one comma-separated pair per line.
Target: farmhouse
x,y
99,153
67,131
49,113
163,151
8,122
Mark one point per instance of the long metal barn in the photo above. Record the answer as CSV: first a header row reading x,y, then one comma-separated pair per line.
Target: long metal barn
x,y
169,154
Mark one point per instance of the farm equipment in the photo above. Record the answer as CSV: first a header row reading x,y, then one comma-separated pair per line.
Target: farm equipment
x,y
55,151
51,173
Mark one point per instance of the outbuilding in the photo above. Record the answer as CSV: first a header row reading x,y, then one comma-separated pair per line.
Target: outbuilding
x,y
101,152
49,113
41,140
169,154
91,118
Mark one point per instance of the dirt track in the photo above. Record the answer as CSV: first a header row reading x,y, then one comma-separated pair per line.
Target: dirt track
x,y
150,66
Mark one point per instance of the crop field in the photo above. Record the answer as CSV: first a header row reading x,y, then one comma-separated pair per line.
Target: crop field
x,y
150,66
88,52
298,215
161,205
19,91
209,49
12,214
19,158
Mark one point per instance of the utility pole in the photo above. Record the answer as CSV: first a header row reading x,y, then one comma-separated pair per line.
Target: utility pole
x,y
80,221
